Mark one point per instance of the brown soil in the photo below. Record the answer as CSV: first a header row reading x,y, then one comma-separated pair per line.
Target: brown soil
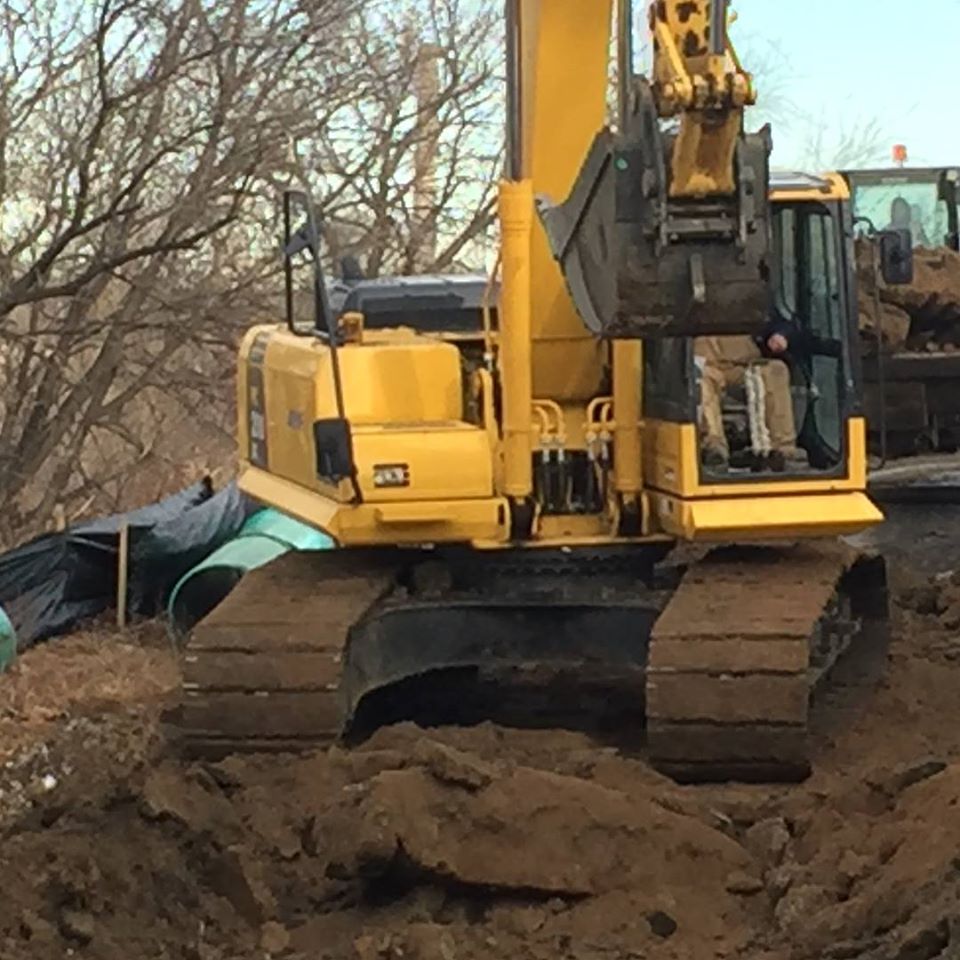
x,y
921,315
456,844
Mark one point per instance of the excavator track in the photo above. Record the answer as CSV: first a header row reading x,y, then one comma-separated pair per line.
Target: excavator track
x,y
317,647
743,644
262,671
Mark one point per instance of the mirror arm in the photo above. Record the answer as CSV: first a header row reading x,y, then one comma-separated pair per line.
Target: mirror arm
x,y
324,322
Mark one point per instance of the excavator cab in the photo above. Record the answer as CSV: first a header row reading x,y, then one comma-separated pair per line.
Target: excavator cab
x,y
775,403
925,200
785,403
910,362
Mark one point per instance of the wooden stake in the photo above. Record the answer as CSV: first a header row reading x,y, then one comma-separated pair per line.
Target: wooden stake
x,y
123,557
59,518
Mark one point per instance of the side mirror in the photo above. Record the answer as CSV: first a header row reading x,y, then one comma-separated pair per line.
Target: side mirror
x,y
333,443
896,256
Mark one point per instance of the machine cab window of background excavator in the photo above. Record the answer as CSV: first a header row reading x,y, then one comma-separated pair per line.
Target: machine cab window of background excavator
x,y
909,339
925,200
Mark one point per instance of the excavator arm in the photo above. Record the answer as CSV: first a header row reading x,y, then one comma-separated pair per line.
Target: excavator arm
x,y
665,232
698,77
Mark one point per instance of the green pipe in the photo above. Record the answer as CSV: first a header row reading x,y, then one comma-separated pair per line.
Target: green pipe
x,y
8,641
264,537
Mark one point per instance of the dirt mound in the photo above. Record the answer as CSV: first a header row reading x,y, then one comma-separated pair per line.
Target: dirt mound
x,y
411,839
895,323
875,872
922,315
454,844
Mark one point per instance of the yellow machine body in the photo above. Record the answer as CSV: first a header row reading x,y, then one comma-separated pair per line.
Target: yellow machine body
x,y
429,472
460,477
423,471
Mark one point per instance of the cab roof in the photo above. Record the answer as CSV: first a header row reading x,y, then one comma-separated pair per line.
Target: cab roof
x,y
796,185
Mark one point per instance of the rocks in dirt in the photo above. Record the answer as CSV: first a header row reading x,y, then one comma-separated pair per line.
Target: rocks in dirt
x,y
852,867
524,920
744,884
429,941
274,938
937,602
237,877
36,929
417,942
364,764
452,766
894,782
924,598
768,840
78,926
849,950
779,881
476,845
227,774
878,881
368,947
166,795
519,829
921,941
926,943
662,925
799,905
483,843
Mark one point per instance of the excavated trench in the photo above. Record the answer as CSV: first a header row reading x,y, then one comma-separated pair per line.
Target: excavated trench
x,y
482,842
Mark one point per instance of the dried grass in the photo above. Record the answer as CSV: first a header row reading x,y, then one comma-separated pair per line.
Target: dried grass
x,y
98,669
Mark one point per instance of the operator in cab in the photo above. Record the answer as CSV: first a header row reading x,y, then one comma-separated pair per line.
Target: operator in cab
x,y
906,216
723,362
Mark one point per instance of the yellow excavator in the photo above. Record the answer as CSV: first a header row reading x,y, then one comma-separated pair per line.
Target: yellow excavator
x,y
502,505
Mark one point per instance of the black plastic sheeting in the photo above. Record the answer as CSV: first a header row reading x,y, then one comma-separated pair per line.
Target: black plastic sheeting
x,y
53,582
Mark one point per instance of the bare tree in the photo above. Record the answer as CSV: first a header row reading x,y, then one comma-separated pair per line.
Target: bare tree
x,y
846,146
773,76
830,139
142,145
367,162
133,135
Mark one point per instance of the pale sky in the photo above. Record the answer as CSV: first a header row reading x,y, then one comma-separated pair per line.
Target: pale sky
x,y
840,64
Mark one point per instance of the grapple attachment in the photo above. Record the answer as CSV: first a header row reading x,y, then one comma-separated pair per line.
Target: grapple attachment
x,y
639,262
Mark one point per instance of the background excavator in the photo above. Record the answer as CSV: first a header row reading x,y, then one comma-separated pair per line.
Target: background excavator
x,y
502,500
912,356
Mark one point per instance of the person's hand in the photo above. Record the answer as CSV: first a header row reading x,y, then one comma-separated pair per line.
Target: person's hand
x,y
778,343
